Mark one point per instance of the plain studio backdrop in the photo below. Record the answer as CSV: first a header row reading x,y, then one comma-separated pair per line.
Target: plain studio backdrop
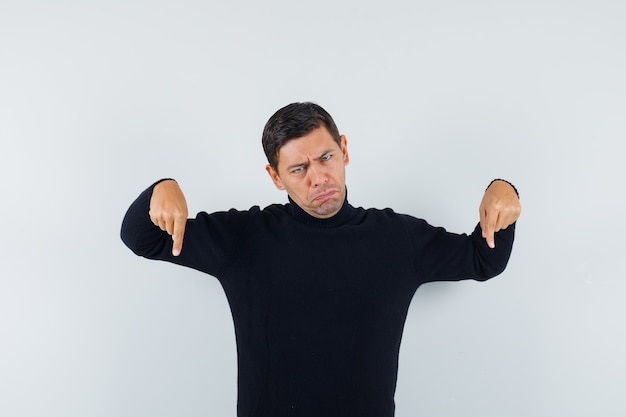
x,y
100,99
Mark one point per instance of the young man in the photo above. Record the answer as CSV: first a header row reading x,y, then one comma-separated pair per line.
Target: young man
x,y
319,290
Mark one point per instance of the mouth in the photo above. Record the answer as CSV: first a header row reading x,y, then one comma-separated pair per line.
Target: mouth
x,y
325,195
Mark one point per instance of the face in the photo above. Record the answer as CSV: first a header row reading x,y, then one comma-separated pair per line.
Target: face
x,y
312,171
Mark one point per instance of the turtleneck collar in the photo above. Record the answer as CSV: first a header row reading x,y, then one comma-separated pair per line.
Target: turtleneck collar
x,y
345,213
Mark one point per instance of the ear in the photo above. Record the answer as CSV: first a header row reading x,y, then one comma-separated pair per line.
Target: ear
x,y
344,149
274,176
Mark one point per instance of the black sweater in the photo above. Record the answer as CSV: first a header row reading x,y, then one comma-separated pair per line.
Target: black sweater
x,y
318,305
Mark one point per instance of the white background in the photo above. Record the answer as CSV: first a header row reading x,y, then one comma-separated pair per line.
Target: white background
x,y
99,99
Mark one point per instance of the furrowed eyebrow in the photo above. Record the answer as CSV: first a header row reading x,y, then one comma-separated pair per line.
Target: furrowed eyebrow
x,y
298,165
323,154
304,164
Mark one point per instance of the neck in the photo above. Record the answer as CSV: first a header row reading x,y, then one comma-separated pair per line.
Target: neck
x,y
344,214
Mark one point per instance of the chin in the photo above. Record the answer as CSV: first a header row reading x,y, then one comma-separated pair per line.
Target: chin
x,y
329,208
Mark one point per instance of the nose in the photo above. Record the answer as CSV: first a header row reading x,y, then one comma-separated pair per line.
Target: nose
x,y
317,176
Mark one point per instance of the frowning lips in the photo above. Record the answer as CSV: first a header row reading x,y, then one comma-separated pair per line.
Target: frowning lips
x,y
324,194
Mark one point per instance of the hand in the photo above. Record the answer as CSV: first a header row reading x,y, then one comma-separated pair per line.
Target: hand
x,y
168,211
499,209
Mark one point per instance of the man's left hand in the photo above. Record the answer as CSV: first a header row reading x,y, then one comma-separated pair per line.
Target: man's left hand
x,y
499,209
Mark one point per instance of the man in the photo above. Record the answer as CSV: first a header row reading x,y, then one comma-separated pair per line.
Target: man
x,y
319,290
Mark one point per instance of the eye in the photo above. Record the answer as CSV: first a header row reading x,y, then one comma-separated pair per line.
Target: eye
x,y
326,158
297,170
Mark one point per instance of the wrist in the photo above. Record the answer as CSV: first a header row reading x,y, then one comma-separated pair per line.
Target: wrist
x,y
500,179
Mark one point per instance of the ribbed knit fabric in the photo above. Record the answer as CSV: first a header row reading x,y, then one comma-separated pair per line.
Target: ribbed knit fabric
x,y
318,305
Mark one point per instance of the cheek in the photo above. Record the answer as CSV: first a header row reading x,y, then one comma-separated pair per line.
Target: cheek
x,y
338,172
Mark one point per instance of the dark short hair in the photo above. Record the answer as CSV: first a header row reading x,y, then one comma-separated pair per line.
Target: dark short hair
x,y
294,121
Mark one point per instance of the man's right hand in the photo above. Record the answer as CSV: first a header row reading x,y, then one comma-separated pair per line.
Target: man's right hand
x,y
168,211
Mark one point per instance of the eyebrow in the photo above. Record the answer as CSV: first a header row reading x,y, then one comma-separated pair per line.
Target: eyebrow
x,y
301,164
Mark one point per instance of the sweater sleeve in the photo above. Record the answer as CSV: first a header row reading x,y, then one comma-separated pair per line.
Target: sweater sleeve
x,y
445,256
208,243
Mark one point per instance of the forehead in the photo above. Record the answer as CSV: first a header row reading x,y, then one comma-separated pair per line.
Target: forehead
x,y
311,145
